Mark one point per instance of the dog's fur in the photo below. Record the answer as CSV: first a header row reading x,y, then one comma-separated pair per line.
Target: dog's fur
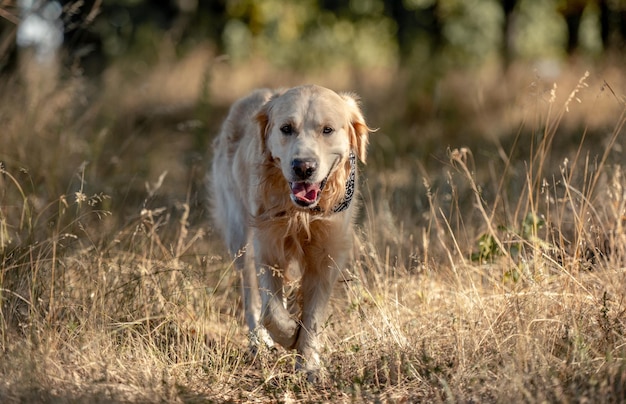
x,y
280,168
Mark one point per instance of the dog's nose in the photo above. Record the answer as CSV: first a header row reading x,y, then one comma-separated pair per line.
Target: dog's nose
x,y
304,168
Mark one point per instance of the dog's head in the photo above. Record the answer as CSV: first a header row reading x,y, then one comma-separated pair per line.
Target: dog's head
x,y
310,131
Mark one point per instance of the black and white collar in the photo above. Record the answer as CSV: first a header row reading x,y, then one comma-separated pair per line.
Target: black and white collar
x,y
350,188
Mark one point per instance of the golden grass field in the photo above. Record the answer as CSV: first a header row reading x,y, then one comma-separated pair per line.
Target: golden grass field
x,y
490,264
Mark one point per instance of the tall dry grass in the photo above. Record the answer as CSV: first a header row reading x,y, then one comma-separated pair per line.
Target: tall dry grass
x,y
493,272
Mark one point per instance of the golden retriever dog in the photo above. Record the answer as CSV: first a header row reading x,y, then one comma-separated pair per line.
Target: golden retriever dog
x,y
283,186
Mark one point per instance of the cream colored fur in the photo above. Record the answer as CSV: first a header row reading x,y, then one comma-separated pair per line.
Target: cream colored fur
x,y
253,166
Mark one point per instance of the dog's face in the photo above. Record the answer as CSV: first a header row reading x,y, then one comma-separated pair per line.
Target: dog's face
x,y
310,132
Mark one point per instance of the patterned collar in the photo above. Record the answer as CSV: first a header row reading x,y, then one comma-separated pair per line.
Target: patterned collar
x,y
350,185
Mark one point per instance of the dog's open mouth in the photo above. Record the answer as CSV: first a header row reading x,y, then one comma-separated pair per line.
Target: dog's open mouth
x,y
306,194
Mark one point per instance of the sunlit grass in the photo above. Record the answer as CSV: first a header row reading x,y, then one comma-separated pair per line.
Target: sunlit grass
x,y
489,264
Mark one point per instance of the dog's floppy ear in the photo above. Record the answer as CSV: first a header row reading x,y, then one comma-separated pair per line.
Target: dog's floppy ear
x,y
263,118
359,131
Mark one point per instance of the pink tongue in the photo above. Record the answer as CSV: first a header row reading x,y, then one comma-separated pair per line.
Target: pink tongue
x,y
305,192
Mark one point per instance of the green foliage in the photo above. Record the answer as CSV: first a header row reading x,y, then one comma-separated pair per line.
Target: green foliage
x,y
449,33
489,248
542,32
434,35
471,29
531,224
302,35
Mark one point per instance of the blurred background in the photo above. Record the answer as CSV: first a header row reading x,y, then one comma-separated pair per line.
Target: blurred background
x,y
109,96
315,34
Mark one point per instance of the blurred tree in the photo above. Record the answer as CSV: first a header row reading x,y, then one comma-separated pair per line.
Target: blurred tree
x,y
314,33
611,21
416,19
9,19
508,31
572,12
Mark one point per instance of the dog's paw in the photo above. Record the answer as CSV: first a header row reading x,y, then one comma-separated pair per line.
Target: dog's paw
x,y
311,368
259,341
283,329
313,376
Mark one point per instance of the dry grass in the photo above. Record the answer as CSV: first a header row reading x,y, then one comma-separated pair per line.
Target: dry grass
x,y
493,272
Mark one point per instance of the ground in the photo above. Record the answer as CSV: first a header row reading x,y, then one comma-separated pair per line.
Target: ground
x,y
488,263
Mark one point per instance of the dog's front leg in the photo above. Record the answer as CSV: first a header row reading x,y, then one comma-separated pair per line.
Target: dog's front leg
x,y
317,284
252,302
274,315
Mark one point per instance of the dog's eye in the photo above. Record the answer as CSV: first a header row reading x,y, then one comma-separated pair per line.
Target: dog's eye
x,y
286,129
327,130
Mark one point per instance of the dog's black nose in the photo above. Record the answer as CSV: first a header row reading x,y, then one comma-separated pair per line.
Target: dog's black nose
x,y
304,168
